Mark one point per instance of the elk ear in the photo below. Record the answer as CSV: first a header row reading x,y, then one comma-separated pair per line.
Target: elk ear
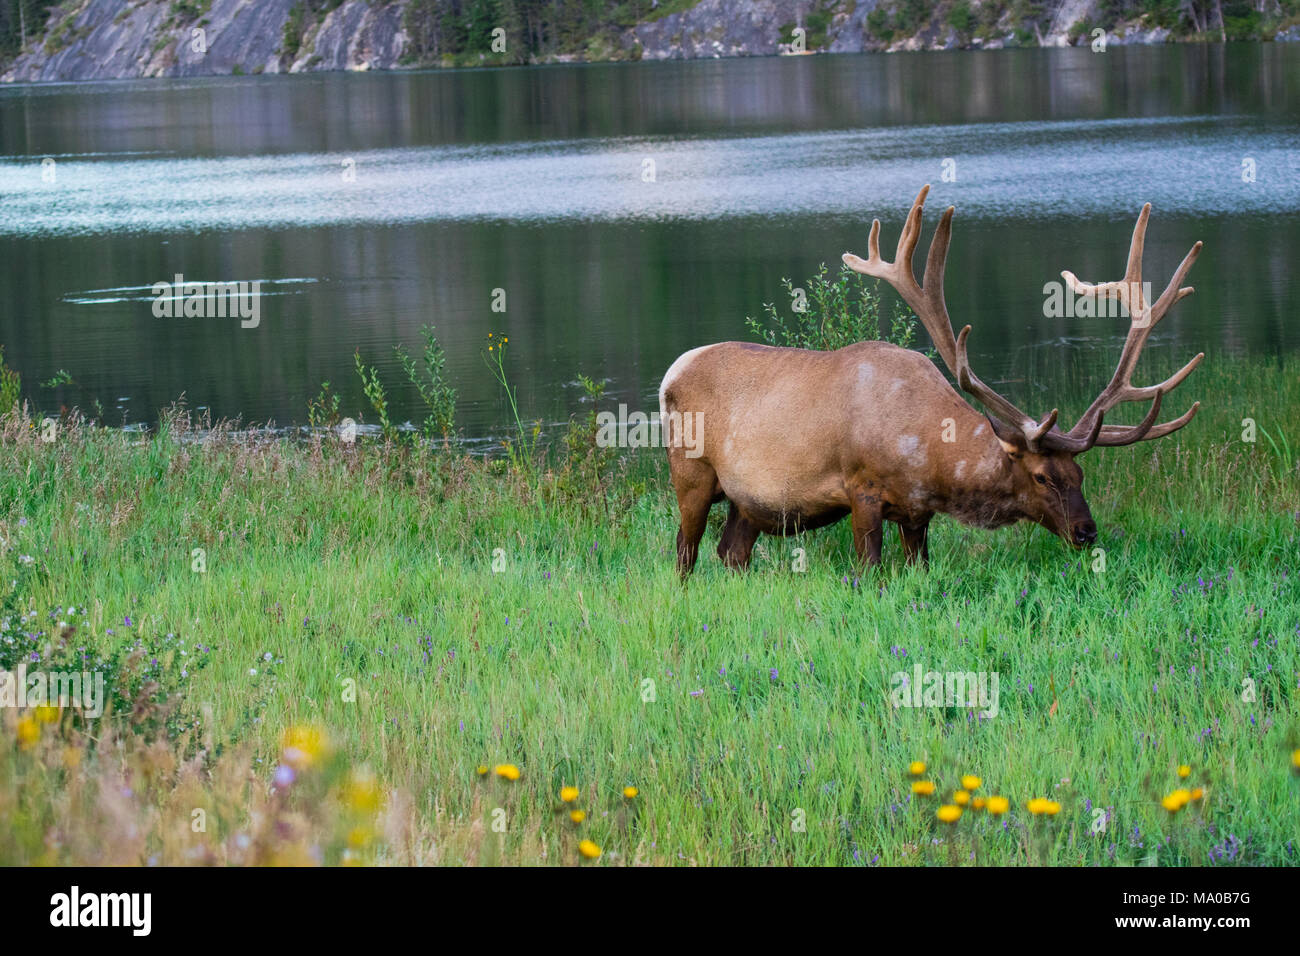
x,y
1011,439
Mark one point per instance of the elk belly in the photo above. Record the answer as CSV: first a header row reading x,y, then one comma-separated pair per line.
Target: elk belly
x,y
784,507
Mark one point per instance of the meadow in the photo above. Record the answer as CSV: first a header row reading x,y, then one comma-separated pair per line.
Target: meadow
x,y
390,652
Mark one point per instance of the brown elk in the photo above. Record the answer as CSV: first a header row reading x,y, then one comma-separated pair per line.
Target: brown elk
x,y
797,439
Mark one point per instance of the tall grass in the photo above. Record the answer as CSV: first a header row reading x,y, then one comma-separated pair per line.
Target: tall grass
x,y
421,615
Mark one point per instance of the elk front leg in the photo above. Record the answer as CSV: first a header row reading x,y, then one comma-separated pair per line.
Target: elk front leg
x,y
916,541
868,527
738,537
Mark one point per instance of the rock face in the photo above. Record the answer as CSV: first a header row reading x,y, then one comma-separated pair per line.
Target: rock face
x,y
716,28
117,39
356,36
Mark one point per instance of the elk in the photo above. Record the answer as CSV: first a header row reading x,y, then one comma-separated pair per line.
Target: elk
x,y
796,439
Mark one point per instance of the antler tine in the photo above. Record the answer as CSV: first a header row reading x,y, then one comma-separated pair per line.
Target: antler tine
x,y
997,404
910,236
1143,317
1110,433
928,303
932,285
1129,434
1136,394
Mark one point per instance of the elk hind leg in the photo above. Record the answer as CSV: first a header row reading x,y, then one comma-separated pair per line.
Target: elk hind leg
x,y
916,542
865,513
738,537
697,487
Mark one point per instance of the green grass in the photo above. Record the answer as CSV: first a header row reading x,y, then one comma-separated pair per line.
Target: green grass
x,y
771,688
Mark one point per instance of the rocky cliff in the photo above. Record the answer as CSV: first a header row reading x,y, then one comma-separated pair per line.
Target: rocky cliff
x,y
113,39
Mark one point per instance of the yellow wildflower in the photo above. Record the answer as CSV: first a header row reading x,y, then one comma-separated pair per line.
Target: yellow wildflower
x,y
303,746
29,731
917,768
978,803
1038,805
362,791
630,792
507,771
961,798
998,805
577,816
568,794
948,813
1184,771
481,770
1176,801
47,714
970,782
589,849
923,788
1198,793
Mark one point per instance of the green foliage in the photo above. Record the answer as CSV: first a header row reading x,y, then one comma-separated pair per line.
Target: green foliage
x,y
961,17
523,451
187,11
323,410
375,394
61,377
585,470
1281,449
1241,21
836,312
437,393
291,34
911,15
10,385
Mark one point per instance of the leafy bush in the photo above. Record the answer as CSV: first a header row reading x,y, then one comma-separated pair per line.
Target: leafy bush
x,y
438,395
376,395
835,312
961,18
323,410
10,384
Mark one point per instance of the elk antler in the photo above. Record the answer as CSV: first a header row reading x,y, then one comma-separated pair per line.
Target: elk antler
x,y
928,303
1143,318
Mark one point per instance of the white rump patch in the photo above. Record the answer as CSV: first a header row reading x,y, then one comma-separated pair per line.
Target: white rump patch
x,y
675,370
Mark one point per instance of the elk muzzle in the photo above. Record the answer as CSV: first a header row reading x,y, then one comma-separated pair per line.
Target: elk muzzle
x,y
1082,530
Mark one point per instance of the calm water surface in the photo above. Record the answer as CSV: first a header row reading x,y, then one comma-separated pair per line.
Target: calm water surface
x,y
370,204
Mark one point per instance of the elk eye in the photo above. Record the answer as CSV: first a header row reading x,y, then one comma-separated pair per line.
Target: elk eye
x,y
1040,479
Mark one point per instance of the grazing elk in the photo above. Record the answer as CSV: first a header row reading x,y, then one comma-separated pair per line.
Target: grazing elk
x,y
798,439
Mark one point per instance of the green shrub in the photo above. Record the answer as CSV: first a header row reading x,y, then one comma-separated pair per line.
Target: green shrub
x,y
10,385
836,312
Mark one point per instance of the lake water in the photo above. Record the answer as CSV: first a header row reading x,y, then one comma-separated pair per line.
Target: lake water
x,y
370,204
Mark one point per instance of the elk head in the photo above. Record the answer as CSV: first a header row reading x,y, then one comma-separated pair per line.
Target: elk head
x,y
1047,481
